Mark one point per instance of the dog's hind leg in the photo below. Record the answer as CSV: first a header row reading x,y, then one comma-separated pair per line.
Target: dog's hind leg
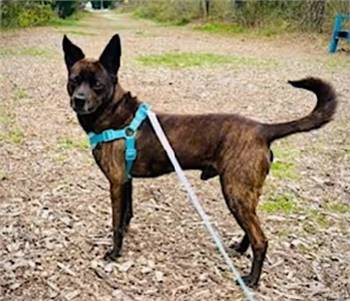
x,y
242,202
242,246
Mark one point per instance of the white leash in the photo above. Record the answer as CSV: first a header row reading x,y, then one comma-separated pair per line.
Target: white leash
x,y
195,202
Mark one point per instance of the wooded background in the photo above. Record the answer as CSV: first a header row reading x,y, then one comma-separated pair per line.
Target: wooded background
x,y
279,16
310,15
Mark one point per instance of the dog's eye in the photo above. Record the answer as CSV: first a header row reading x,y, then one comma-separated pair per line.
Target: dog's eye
x,y
98,85
74,81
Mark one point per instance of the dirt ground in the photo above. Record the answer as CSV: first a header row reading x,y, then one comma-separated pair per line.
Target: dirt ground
x,y
55,223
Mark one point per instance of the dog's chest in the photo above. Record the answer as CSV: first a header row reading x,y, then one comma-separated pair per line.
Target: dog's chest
x,y
111,160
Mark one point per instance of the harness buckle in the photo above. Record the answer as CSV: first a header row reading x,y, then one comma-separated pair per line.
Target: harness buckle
x,y
129,132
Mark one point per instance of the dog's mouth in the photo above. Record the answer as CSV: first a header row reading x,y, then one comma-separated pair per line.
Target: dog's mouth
x,y
84,111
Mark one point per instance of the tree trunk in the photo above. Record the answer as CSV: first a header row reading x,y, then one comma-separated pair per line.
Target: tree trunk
x,y
205,7
238,4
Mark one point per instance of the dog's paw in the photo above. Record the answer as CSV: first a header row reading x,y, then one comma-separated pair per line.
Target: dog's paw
x,y
249,281
239,248
112,255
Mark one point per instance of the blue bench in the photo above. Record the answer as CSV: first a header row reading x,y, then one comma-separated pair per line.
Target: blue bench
x,y
338,33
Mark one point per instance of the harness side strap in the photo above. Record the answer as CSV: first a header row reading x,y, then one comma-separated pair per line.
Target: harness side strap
x,y
105,136
140,116
128,134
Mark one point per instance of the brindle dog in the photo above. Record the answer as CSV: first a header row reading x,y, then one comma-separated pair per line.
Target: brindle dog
x,y
235,148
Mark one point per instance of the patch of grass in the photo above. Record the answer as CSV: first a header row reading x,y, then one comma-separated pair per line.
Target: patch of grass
x,y
4,117
220,28
337,207
70,144
284,203
272,29
72,21
337,61
283,170
319,218
283,166
15,135
267,30
30,51
69,22
9,131
188,60
20,93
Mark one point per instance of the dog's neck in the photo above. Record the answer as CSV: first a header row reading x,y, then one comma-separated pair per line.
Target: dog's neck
x,y
115,114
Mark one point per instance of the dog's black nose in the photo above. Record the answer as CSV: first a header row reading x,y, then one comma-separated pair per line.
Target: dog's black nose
x,y
79,101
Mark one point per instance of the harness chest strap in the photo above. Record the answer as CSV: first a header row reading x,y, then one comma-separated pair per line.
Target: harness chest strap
x,y
128,134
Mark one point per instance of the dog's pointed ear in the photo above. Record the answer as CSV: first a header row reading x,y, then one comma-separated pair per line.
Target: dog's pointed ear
x,y
72,53
110,57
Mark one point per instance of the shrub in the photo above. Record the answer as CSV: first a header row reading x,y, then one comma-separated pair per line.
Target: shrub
x,y
24,14
178,12
271,17
35,12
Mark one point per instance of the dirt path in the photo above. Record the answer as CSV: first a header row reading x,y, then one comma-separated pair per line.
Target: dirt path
x,y
54,204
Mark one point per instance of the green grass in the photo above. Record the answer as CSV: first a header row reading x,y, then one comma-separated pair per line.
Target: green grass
x,y
283,166
267,30
69,22
30,51
337,207
318,218
337,61
283,170
10,132
73,21
188,60
220,28
4,116
70,144
283,203
15,135
20,94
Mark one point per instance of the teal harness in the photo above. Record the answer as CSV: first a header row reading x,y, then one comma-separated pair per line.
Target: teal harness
x,y
128,134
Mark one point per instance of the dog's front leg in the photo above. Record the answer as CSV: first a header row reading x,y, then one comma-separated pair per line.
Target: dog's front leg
x,y
128,199
120,216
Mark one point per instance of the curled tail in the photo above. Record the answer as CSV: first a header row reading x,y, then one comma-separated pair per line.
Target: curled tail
x,y
322,113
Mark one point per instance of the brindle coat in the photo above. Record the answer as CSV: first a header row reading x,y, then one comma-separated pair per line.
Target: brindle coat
x,y
235,148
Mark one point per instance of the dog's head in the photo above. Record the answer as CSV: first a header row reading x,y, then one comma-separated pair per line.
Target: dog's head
x,y
91,83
